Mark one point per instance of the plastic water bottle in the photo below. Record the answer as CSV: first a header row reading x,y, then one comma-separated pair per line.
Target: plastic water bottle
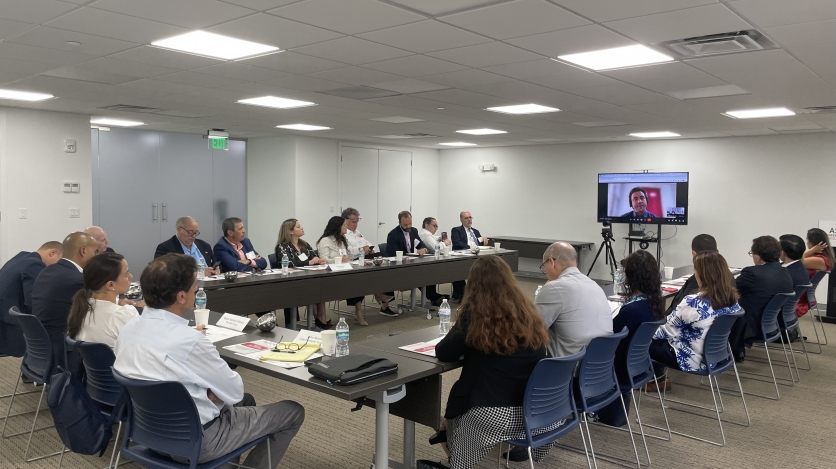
x,y
201,269
200,299
444,318
618,280
362,258
438,250
342,338
285,262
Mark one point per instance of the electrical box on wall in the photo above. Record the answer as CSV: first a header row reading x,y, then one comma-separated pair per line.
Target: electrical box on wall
x,y
69,146
72,187
488,167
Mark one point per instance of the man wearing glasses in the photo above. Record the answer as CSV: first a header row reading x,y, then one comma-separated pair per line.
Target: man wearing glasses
x,y
355,239
464,236
428,236
185,241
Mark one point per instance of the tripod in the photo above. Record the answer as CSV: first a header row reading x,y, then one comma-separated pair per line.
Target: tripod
x,y
609,256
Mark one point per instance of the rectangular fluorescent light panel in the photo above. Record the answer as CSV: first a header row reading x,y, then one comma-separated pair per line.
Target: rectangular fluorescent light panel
x,y
710,92
24,95
481,132
396,119
523,109
619,57
276,102
599,123
458,144
302,127
654,134
115,122
215,46
759,113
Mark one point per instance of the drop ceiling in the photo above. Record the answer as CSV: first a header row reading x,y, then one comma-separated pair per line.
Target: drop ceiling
x,y
446,61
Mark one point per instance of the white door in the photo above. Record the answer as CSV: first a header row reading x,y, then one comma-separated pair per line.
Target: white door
x,y
358,187
394,189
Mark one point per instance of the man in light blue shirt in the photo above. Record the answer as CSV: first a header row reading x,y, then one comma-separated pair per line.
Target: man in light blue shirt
x,y
160,346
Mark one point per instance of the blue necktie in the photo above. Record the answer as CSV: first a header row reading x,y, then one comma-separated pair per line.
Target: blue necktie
x,y
473,235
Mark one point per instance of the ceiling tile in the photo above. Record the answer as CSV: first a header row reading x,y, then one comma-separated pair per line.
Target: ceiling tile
x,y
516,19
608,10
465,78
806,34
534,69
767,13
415,66
820,59
407,86
672,76
114,25
53,38
721,104
571,41
461,98
163,88
347,16
442,7
680,24
261,5
425,36
9,28
193,14
272,30
16,69
574,80
352,50
355,76
33,11
200,79
486,55
94,76
293,62
675,109
10,50
123,67
164,58
619,94
305,83
242,71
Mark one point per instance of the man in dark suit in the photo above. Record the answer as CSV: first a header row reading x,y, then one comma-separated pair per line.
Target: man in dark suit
x,y
17,278
404,237
463,236
757,285
700,243
234,251
185,242
792,250
52,294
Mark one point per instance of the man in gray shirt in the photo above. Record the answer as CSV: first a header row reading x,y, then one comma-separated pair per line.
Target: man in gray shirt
x,y
573,306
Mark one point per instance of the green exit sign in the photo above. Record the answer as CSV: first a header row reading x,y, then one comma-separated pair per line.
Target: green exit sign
x,y
219,143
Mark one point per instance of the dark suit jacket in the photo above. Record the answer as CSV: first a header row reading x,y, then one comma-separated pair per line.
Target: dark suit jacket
x,y
17,277
228,256
798,273
52,297
396,242
173,246
459,237
757,285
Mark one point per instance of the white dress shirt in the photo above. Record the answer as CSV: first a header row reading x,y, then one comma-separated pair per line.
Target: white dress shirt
x,y
355,240
73,263
103,323
160,346
430,240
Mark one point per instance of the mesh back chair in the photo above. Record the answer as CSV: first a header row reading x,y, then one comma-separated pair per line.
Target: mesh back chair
x,y
162,418
811,300
597,385
789,322
381,248
770,331
11,348
37,366
548,400
716,352
274,263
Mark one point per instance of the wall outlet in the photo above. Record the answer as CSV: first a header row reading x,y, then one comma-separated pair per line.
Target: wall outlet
x,y
23,213
75,213
69,146
68,187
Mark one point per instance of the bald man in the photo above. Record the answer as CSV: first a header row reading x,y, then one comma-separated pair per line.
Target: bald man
x,y
54,288
573,306
100,236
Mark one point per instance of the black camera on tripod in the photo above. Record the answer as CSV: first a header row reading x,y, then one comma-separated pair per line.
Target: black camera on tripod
x,y
606,232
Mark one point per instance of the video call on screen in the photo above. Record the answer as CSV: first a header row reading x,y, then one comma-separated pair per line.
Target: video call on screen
x,y
654,198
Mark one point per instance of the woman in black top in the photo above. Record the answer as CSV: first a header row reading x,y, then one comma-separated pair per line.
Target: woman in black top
x,y
299,254
502,338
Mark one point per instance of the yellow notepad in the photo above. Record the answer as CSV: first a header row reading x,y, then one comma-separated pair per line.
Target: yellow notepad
x,y
299,355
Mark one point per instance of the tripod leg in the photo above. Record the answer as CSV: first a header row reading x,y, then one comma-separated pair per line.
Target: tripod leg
x,y
596,258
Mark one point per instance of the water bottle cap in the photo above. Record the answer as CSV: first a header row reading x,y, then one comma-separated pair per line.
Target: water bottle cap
x,y
200,289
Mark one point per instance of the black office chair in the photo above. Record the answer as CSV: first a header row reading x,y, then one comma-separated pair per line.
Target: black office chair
x,y
381,248
274,263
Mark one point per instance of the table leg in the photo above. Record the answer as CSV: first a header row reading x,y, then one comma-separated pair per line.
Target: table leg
x,y
414,307
408,444
310,317
293,312
381,434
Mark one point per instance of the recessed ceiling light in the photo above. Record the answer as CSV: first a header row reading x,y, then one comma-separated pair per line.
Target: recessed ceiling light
x,y
440,108
302,127
215,46
24,95
396,119
458,144
116,122
759,113
73,43
276,102
618,57
654,134
481,132
523,109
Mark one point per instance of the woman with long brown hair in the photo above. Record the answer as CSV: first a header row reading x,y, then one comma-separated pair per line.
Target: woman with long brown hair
x,y
817,258
679,342
502,338
95,315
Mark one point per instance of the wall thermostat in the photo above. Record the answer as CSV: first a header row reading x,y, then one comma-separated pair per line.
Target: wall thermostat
x,y
69,146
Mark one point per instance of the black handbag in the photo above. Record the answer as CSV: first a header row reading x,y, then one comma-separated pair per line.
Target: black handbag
x,y
352,369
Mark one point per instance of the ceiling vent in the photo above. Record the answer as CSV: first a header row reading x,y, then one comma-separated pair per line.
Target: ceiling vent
x,y
416,135
715,44
819,110
130,108
359,92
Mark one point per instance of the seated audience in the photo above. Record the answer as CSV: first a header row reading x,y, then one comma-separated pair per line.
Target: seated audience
x,y
160,346
101,238
357,243
679,342
299,254
573,306
792,249
17,279
332,244
463,236
430,240
817,258
700,243
95,315
502,338
234,251
757,285
404,237
185,241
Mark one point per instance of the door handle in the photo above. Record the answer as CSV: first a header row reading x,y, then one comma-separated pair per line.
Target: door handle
x,y
380,223
165,212
153,212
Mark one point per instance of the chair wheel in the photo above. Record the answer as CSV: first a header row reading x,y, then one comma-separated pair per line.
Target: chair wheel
x,y
400,310
429,316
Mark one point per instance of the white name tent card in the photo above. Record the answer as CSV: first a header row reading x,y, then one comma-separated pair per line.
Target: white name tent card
x,y
234,322
339,267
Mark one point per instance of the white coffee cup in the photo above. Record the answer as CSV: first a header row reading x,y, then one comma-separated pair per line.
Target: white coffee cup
x,y
398,255
668,273
338,260
496,246
447,250
201,317
329,342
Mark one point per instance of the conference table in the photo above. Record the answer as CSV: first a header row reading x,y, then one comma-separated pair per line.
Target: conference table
x,y
531,251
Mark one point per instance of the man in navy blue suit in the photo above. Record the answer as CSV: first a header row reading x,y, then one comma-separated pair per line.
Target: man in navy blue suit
x,y
185,241
17,278
463,236
234,251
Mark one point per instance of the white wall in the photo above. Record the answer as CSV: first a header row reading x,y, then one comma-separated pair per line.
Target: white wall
x,y
33,167
271,189
317,183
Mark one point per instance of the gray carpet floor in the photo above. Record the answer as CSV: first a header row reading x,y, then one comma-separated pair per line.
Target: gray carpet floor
x,y
797,430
